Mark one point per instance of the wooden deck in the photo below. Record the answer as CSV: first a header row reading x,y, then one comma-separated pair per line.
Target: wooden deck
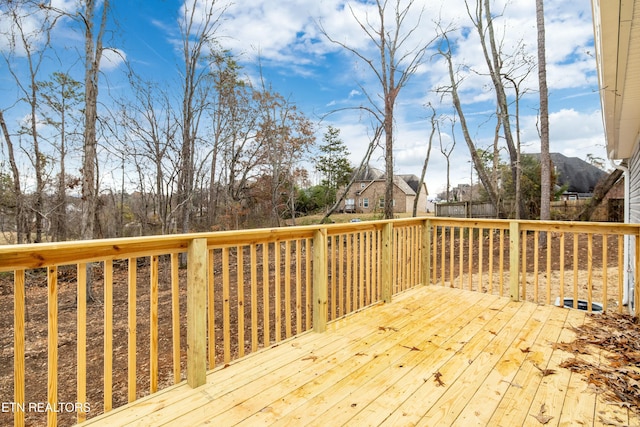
x,y
435,356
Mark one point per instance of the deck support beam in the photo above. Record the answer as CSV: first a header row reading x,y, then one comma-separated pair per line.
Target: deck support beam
x,y
197,312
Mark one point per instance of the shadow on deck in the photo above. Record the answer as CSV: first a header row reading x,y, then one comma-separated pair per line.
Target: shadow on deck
x,y
434,356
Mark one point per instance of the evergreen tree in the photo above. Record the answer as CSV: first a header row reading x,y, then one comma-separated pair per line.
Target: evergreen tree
x,y
333,162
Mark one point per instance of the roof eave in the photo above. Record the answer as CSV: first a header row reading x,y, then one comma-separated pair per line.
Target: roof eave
x,y
613,25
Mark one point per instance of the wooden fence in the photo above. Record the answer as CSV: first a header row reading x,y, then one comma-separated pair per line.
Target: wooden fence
x,y
466,210
154,322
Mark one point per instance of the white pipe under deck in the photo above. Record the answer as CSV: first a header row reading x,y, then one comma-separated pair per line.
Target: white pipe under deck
x,y
628,287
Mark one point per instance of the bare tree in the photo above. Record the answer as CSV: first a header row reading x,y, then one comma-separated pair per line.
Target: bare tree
x,y
393,67
446,152
62,96
545,158
476,158
434,127
17,190
285,135
483,19
521,65
32,44
153,129
236,152
199,24
93,49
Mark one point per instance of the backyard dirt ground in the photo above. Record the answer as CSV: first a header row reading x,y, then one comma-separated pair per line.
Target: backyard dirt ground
x,y
36,332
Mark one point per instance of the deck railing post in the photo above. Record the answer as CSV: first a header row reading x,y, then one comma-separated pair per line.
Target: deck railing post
x,y
197,312
514,260
320,280
387,262
426,252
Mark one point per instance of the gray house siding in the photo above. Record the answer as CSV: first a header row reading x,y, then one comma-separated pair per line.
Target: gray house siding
x,y
634,213
634,186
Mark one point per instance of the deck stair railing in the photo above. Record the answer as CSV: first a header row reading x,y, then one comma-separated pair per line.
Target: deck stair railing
x,y
169,308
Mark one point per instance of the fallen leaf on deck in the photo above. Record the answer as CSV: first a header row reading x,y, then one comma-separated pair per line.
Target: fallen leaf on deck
x,y
572,347
438,379
608,422
412,348
617,337
387,328
512,384
545,372
541,417
312,357
526,350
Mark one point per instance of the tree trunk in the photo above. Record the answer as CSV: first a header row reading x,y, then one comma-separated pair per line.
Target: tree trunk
x,y
388,156
426,162
17,192
93,54
61,193
545,159
599,193
494,64
477,161
38,162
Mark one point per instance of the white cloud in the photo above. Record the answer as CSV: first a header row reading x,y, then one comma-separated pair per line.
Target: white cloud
x,y
572,133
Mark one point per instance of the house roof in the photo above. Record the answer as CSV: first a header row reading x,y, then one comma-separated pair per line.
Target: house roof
x,y
368,173
412,180
403,185
407,183
578,175
617,42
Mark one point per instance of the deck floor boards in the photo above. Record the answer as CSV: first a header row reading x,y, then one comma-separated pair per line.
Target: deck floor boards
x,y
434,356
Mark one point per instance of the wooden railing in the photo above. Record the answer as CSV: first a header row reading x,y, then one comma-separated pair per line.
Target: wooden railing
x,y
543,262
153,323
168,308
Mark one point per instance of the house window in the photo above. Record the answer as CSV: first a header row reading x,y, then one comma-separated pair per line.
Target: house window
x,y
365,203
381,205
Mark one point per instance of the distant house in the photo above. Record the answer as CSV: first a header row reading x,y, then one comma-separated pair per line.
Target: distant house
x,y
579,177
367,192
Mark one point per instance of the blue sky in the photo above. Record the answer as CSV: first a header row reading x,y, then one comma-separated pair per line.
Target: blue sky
x,y
319,77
